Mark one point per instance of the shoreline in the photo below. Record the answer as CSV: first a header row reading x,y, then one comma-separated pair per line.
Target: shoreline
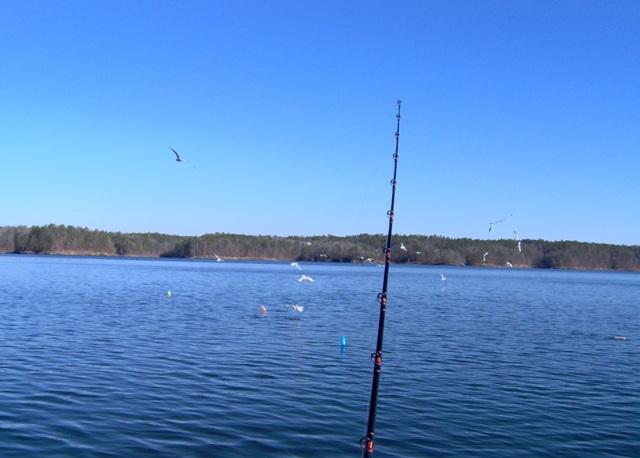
x,y
285,260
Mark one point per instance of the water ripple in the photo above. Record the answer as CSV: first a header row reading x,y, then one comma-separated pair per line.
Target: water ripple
x,y
95,360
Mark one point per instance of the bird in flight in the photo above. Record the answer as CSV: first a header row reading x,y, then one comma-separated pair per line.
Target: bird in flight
x,y
305,279
508,264
442,277
501,220
484,257
178,158
296,265
402,247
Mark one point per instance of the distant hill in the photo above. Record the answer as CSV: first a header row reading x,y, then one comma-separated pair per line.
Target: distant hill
x,y
420,249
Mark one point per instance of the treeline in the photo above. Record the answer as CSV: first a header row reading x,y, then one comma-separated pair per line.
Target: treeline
x,y
419,249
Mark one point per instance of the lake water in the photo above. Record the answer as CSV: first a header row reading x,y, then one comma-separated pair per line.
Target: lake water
x,y
96,361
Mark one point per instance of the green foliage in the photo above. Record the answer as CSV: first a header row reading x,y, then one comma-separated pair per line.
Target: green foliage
x,y
420,249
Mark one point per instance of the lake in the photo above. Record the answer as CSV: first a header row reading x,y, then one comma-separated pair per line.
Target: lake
x,y
97,361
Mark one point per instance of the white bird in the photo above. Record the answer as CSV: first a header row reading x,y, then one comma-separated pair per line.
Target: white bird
x,y
178,158
519,246
308,243
484,257
619,338
297,266
305,279
442,277
169,294
402,247
218,258
501,220
508,264
418,252
296,307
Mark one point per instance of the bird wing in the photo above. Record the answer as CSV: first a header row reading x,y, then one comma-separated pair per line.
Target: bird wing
x,y
175,152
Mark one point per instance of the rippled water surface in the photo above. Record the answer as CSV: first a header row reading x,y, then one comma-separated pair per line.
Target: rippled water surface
x,y
95,360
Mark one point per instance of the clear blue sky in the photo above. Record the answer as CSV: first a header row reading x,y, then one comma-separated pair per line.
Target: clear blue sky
x,y
285,110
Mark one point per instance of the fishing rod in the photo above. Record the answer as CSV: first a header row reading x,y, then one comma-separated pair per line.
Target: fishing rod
x,y
367,441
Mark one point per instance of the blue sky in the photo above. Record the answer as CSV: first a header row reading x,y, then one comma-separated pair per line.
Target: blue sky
x,y
285,110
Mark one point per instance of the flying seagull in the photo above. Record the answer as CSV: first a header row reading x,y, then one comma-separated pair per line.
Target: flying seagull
x,y
402,247
501,220
297,266
178,158
484,257
508,264
218,258
442,277
515,237
305,279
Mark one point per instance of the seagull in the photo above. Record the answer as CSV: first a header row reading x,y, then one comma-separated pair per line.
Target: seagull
x,y
418,252
218,258
508,264
169,294
296,307
305,279
402,247
442,277
519,246
619,338
178,158
484,257
501,220
308,243
297,266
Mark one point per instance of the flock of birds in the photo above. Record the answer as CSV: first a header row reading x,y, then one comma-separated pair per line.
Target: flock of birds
x,y
297,308
486,253
306,279
263,307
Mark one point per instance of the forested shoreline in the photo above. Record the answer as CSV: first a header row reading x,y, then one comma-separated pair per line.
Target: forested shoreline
x,y
420,249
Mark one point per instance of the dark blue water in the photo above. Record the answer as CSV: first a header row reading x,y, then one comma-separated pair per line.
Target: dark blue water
x,y
95,360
